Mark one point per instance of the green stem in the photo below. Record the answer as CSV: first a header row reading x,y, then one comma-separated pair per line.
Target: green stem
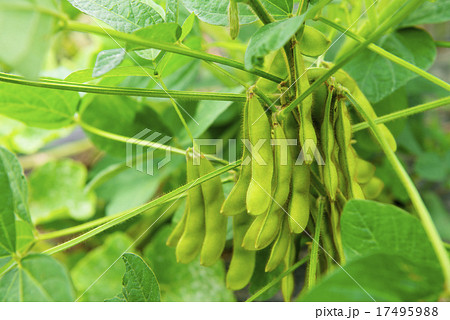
x,y
131,38
122,217
384,27
261,12
278,279
121,91
414,195
404,113
388,55
442,44
314,256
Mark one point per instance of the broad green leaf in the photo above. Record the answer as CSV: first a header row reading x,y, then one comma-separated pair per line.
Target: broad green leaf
x,y
125,16
184,282
432,167
86,75
107,60
56,191
216,11
270,37
172,11
118,298
381,276
429,12
279,8
26,34
439,213
139,281
369,227
102,261
378,77
38,107
38,278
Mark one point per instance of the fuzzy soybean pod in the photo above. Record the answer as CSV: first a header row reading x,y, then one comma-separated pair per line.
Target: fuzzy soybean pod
x,y
191,241
242,261
343,78
280,246
233,19
215,223
260,187
263,230
347,155
307,133
287,283
236,203
330,175
177,232
299,202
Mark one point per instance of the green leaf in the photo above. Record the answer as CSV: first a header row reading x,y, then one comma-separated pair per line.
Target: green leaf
x,y
118,298
38,278
378,77
125,16
439,213
184,282
172,11
26,34
385,277
139,281
429,12
370,227
108,60
270,37
216,11
261,278
101,262
279,9
57,192
432,167
86,75
38,107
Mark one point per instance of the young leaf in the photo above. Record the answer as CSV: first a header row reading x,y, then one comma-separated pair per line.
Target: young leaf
x,y
107,60
38,277
369,227
38,107
25,36
125,16
378,77
139,281
270,37
57,192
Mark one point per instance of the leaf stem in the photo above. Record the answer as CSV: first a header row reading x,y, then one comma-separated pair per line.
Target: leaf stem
x,y
414,195
404,113
386,54
442,44
131,38
122,217
121,91
277,279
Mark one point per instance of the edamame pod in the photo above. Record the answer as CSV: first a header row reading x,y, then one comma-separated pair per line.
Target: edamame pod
x,y
259,189
299,202
215,223
191,241
307,133
235,203
233,18
177,232
280,247
287,283
242,261
313,42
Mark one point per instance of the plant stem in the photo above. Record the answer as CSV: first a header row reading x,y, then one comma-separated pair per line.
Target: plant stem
x,y
277,279
414,195
384,27
121,91
314,255
404,113
401,62
261,12
442,44
131,38
122,217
